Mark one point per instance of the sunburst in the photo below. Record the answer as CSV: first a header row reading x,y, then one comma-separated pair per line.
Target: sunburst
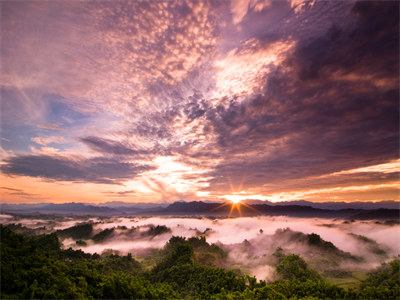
x,y
235,198
236,205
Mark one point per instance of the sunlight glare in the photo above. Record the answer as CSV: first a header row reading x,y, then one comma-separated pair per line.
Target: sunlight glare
x,y
234,198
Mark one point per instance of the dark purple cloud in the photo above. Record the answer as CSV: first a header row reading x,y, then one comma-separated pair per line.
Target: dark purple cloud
x,y
96,170
109,147
331,106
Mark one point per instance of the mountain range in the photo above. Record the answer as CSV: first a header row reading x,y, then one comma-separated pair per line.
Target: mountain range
x,y
357,210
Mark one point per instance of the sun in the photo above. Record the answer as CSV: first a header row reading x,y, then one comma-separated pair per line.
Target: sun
x,y
235,199
235,204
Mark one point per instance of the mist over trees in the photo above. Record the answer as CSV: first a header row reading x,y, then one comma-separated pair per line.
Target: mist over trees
x,y
35,266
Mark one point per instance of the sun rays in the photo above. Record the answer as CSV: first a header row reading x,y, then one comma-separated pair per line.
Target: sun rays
x,y
237,208
236,198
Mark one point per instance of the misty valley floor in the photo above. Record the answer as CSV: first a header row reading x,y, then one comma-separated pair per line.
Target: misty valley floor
x,y
261,257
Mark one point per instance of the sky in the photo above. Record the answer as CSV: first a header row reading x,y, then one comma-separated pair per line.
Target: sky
x,y
160,101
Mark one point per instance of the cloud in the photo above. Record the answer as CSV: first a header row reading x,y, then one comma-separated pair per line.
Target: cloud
x,y
108,146
263,95
146,47
120,193
330,106
390,167
20,107
374,44
95,170
10,189
49,126
239,10
19,193
44,141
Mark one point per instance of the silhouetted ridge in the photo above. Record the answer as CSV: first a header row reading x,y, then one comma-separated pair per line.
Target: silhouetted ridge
x,y
379,214
191,207
77,208
205,209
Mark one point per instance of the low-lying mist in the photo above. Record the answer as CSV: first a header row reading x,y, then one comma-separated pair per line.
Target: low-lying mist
x,y
252,243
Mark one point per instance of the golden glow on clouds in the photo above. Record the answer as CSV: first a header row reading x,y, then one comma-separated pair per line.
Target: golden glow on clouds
x,y
202,194
233,198
298,5
337,192
236,76
239,8
244,196
169,182
390,167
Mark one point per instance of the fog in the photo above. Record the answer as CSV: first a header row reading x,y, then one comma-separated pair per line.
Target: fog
x,y
250,242
236,230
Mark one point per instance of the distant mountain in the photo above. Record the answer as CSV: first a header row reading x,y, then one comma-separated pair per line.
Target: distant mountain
x,y
194,207
199,208
139,205
378,214
389,204
77,207
64,208
225,209
21,206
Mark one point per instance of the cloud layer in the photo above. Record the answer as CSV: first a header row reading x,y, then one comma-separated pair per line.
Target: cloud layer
x,y
96,170
265,98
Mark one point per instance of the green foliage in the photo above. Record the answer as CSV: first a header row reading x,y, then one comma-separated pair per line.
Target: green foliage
x,y
81,243
102,235
19,228
36,267
294,267
198,281
126,264
337,273
173,242
157,230
278,254
315,240
311,289
125,286
204,253
190,278
383,283
179,255
77,232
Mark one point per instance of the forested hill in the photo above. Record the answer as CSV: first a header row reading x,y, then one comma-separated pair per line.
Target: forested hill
x,y
36,267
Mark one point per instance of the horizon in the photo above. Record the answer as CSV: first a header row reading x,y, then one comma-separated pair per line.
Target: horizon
x,y
166,101
303,202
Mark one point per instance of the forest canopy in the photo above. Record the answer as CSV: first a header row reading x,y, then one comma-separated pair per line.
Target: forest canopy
x,y
37,267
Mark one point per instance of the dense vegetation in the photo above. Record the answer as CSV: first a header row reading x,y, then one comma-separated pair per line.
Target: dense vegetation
x,y
36,267
81,231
